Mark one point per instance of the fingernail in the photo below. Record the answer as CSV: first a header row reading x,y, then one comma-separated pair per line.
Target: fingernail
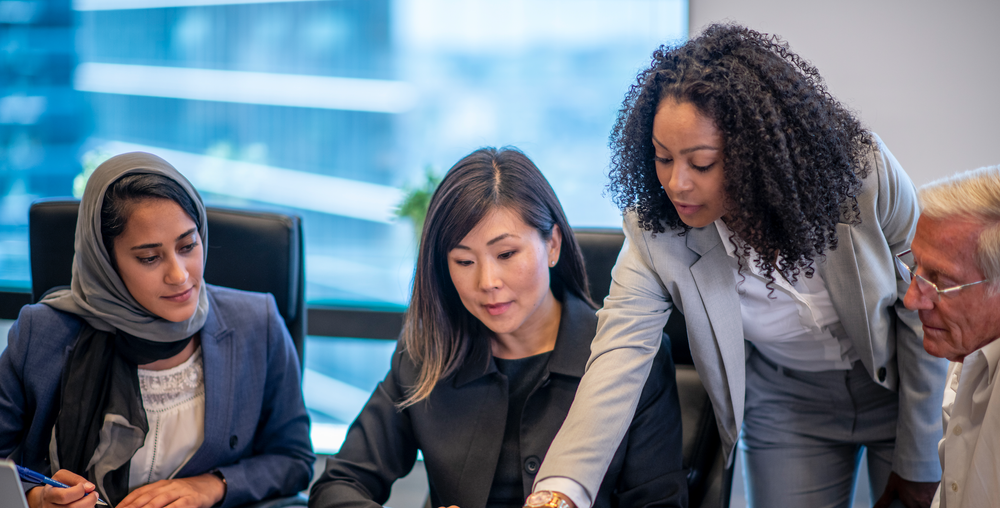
x,y
88,486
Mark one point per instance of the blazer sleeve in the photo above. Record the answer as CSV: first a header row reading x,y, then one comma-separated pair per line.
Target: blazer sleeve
x,y
12,391
629,331
921,376
13,400
30,374
380,447
282,459
653,472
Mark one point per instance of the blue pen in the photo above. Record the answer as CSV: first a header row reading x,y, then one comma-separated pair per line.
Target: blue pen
x,y
33,477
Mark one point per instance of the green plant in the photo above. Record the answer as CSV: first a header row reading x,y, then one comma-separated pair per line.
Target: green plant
x,y
416,200
89,161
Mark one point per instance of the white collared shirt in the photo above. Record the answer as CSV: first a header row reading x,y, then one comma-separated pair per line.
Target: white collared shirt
x,y
970,449
797,328
174,400
793,325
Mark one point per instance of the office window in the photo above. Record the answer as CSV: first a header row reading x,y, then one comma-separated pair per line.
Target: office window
x,y
326,109
43,120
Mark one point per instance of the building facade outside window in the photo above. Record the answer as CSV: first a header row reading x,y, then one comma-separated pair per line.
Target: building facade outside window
x,y
325,109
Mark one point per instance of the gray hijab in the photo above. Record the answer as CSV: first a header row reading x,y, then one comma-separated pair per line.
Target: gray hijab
x,y
97,294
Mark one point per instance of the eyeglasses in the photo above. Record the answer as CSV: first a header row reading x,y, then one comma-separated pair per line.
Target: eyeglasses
x,y
923,284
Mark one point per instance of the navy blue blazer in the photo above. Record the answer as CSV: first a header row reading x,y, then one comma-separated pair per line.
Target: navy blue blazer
x,y
256,426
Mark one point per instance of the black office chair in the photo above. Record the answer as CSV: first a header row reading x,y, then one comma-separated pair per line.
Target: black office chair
x,y
709,480
252,251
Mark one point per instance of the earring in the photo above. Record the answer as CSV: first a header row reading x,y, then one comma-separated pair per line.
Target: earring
x,y
552,263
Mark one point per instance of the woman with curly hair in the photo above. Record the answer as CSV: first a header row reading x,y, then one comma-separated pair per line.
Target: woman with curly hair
x,y
759,207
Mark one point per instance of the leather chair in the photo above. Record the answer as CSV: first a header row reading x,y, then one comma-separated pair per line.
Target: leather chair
x,y
709,480
252,251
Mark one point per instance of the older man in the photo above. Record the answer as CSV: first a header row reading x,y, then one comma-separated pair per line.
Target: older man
x,y
954,276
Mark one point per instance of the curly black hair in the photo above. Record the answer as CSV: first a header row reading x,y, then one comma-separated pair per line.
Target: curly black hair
x,y
793,156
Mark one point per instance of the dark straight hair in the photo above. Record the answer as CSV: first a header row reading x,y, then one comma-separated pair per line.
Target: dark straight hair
x,y
438,331
122,196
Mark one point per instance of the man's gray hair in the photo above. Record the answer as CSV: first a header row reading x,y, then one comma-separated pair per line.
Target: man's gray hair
x,y
975,195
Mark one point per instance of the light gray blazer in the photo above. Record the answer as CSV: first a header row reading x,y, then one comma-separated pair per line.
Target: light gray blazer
x,y
656,273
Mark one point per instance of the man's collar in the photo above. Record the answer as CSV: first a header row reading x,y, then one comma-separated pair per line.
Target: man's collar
x,y
991,352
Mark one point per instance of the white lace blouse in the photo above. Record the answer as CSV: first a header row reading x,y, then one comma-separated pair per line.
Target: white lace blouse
x,y
174,400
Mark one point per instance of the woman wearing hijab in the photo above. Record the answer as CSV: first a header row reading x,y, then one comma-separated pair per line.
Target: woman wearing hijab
x,y
141,382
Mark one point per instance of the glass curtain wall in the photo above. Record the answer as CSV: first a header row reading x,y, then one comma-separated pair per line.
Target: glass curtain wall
x,y
43,121
326,109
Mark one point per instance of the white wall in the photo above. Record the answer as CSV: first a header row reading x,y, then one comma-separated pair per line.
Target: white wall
x,y
923,75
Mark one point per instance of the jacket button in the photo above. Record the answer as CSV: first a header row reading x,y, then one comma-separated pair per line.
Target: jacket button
x,y
881,374
233,441
531,465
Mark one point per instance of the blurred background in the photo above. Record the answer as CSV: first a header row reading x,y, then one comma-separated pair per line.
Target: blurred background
x,y
322,108
331,110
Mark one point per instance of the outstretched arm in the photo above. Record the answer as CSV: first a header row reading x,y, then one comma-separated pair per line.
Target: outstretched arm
x,y
628,335
652,472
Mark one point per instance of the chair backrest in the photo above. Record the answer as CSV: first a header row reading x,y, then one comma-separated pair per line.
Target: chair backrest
x,y
709,480
248,250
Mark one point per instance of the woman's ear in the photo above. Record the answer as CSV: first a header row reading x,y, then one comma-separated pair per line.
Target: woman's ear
x,y
554,245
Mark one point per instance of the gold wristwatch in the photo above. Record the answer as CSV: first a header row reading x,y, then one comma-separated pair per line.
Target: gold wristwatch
x,y
548,499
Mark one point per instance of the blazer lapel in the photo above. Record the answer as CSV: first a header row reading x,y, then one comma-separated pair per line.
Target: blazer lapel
x,y
846,292
714,280
217,357
478,384
490,394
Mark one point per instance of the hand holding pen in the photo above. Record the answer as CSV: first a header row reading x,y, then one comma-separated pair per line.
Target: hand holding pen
x,y
63,489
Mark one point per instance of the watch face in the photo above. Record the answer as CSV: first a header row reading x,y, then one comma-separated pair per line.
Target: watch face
x,y
539,498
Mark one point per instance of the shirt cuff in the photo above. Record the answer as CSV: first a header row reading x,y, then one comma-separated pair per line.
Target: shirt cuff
x,y
571,488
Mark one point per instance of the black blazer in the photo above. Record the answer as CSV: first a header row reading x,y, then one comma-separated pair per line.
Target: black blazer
x,y
460,428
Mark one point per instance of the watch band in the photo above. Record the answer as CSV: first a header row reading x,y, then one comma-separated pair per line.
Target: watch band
x,y
548,499
225,485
